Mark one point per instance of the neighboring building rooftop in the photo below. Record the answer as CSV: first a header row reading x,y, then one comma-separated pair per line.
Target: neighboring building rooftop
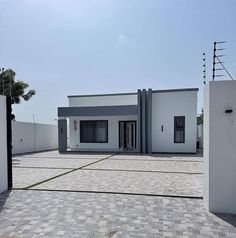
x,y
133,93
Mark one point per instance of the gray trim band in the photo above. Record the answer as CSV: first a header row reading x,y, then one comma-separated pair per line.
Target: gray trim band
x,y
175,90
98,95
98,111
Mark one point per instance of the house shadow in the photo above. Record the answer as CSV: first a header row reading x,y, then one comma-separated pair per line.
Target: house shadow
x,y
229,218
3,198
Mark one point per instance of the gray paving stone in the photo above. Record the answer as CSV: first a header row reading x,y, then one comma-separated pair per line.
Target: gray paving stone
x,y
162,157
70,214
128,182
23,177
55,154
162,166
50,162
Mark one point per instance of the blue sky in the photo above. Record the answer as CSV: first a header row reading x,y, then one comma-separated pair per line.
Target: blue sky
x,y
65,47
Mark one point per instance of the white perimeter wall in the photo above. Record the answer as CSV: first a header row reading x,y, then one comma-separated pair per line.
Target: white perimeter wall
x,y
3,146
113,133
30,137
220,147
112,100
165,106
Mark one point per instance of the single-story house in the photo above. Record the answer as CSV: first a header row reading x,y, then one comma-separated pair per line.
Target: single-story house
x,y
146,121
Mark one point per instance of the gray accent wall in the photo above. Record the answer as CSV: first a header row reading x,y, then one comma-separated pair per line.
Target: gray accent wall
x,y
139,122
149,121
144,133
62,135
98,111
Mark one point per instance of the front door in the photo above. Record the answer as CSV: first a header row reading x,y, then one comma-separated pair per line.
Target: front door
x,y
127,135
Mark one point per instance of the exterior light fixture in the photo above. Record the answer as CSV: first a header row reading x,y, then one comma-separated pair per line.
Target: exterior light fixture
x,y
228,110
75,125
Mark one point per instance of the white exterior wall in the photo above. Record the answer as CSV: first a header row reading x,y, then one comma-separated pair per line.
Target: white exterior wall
x,y
3,146
220,147
166,105
200,135
113,133
109,100
30,137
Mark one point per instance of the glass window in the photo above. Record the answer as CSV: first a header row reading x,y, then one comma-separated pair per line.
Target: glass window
x,y
93,131
179,129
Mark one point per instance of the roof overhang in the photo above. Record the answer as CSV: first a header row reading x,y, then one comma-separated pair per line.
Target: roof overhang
x,y
98,111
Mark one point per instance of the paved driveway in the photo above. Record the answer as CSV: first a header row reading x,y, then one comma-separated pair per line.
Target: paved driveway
x,y
109,196
116,173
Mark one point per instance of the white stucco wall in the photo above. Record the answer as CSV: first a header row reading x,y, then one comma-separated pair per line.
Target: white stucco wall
x,y
113,133
3,146
200,135
109,100
166,105
30,137
220,147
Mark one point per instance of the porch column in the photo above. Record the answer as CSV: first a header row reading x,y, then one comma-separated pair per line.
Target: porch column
x,y
144,121
139,126
149,121
62,135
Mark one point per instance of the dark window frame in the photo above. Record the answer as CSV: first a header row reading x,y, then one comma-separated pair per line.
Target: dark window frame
x,y
94,141
135,132
179,129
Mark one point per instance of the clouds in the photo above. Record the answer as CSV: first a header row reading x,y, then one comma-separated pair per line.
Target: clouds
x,y
121,39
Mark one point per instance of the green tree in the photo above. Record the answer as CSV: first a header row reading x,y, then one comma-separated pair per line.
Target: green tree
x,y
9,86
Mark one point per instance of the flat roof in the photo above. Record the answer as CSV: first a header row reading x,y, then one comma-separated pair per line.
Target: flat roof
x,y
97,95
134,93
175,90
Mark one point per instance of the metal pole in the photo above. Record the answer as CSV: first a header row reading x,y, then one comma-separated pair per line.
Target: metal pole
x,y
214,61
9,140
204,68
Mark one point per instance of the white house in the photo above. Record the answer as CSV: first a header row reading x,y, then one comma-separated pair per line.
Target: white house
x,y
146,121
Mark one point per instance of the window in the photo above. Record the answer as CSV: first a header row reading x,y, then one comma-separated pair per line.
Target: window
x,y
93,131
179,129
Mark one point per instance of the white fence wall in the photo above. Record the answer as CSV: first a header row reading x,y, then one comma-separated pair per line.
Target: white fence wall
x,y
33,137
3,145
220,146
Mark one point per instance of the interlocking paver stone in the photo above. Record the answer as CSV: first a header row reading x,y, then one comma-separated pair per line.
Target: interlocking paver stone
x,y
128,182
24,177
162,166
51,163
71,214
34,213
155,157
55,154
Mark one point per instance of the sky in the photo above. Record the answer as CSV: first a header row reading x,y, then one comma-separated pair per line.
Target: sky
x,y
68,47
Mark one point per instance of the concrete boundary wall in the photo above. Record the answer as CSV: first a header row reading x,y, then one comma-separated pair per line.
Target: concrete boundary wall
x,y
220,146
3,145
33,137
